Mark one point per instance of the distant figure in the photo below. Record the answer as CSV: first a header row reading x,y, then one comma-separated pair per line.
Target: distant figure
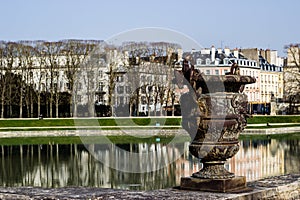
x,y
192,75
187,69
234,70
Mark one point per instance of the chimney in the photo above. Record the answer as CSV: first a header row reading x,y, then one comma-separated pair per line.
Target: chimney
x,y
227,51
213,53
180,52
236,53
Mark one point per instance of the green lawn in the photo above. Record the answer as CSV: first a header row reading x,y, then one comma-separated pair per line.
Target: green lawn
x,y
90,122
273,119
6,124
284,136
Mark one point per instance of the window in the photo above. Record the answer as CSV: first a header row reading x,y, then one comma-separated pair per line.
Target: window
x,y
101,87
149,88
128,89
78,98
120,78
207,61
68,86
216,72
91,74
43,75
101,99
199,61
55,74
226,61
43,87
225,71
91,85
79,86
100,73
120,89
149,78
55,86
207,72
143,100
121,100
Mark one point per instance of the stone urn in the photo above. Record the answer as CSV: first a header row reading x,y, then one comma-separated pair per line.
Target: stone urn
x,y
214,113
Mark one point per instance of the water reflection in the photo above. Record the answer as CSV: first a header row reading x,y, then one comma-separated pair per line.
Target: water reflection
x,y
56,165
262,158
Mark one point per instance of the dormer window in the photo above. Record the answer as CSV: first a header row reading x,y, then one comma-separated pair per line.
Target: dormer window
x,y
199,61
225,61
207,61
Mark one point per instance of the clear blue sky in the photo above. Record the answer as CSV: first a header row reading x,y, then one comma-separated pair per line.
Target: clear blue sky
x,y
233,23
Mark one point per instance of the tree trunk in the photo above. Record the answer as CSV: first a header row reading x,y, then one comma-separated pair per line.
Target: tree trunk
x,y
10,101
50,106
27,107
173,109
91,105
2,103
71,114
130,109
56,105
74,107
75,110
148,107
31,105
21,103
39,103
137,103
47,105
161,108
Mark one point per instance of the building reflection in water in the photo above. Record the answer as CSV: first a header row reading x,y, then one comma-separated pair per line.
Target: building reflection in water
x,y
56,165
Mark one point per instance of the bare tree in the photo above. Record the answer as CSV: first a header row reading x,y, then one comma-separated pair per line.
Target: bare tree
x,y
150,60
52,51
40,62
3,78
26,68
74,52
113,61
8,61
292,75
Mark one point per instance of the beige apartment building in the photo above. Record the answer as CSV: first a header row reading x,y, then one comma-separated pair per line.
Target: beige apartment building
x,y
271,78
219,63
264,65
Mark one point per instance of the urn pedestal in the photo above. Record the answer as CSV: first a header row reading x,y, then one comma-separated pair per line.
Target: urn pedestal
x,y
214,119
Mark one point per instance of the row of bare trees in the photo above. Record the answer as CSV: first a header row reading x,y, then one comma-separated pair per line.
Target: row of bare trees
x,y
150,74
31,74
41,77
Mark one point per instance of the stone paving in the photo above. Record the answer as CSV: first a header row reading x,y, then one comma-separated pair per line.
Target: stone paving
x,y
279,187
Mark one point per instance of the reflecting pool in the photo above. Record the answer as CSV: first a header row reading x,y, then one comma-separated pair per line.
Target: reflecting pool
x,y
58,165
